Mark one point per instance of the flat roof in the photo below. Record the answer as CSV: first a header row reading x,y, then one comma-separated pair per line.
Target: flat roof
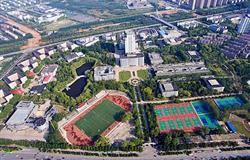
x,y
23,111
213,82
192,53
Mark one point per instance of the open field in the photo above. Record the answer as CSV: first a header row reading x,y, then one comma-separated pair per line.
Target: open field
x,y
143,74
97,8
32,42
241,128
59,24
99,119
124,76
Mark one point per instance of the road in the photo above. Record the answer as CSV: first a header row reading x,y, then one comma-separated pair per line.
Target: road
x,y
29,50
30,154
53,44
189,99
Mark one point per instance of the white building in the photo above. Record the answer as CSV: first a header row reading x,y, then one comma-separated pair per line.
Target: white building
x,y
18,119
104,73
155,58
132,60
214,84
167,88
244,25
130,43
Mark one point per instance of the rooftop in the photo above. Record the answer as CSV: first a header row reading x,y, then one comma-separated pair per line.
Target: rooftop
x,y
23,111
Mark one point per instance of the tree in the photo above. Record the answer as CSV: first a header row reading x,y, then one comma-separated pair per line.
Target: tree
x,y
102,142
148,91
127,117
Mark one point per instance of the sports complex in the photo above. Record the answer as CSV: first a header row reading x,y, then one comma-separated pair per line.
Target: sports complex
x,y
187,116
96,119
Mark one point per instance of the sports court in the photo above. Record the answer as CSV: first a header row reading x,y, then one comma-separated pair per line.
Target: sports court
x,y
228,102
205,114
177,116
95,122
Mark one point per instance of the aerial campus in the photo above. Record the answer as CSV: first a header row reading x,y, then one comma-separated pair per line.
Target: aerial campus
x,y
125,79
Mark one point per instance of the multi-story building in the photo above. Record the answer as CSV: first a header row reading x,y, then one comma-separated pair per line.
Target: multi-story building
x,y
244,25
104,73
155,58
132,60
167,88
214,84
130,43
180,69
199,4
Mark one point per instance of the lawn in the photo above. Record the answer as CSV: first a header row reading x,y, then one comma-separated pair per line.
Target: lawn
x,y
99,119
124,76
143,74
241,128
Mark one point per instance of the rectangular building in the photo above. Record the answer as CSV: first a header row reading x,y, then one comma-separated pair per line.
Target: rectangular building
x,y
168,89
104,73
179,69
132,60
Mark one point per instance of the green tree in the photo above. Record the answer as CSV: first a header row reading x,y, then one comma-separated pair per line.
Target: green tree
x,y
148,91
102,142
127,117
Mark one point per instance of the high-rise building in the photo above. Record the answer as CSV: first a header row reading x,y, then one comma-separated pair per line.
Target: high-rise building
x,y
130,43
244,25
199,4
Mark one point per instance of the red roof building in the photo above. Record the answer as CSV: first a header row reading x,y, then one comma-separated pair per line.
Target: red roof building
x,y
18,91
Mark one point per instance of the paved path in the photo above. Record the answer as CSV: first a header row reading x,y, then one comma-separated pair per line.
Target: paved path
x,y
30,154
190,98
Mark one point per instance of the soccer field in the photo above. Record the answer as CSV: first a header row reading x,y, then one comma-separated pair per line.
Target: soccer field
x,y
99,119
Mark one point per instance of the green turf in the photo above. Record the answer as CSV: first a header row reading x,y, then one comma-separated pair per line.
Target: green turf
x,y
166,112
143,74
124,76
162,125
158,112
171,124
99,119
190,109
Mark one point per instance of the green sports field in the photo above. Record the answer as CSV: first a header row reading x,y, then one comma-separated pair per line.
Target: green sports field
x,y
99,119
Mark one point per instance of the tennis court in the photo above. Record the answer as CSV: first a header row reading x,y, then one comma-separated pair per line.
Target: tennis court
x,y
177,116
209,121
205,114
201,107
228,102
99,119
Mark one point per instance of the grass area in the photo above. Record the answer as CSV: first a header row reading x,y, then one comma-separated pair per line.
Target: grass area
x,y
6,111
241,128
99,119
124,76
38,68
143,74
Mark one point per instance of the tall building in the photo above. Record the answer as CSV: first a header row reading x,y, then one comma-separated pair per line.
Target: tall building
x,y
244,25
130,43
200,4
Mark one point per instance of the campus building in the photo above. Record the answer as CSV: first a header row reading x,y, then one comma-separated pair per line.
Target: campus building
x,y
180,68
214,84
19,118
155,58
167,88
200,4
244,25
48,73
130,43
132,60
104,73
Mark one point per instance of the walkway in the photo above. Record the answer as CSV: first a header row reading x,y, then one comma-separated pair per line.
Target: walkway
x,y
190,99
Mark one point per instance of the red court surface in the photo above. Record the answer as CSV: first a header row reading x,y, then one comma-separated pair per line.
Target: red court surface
x,y
177,116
